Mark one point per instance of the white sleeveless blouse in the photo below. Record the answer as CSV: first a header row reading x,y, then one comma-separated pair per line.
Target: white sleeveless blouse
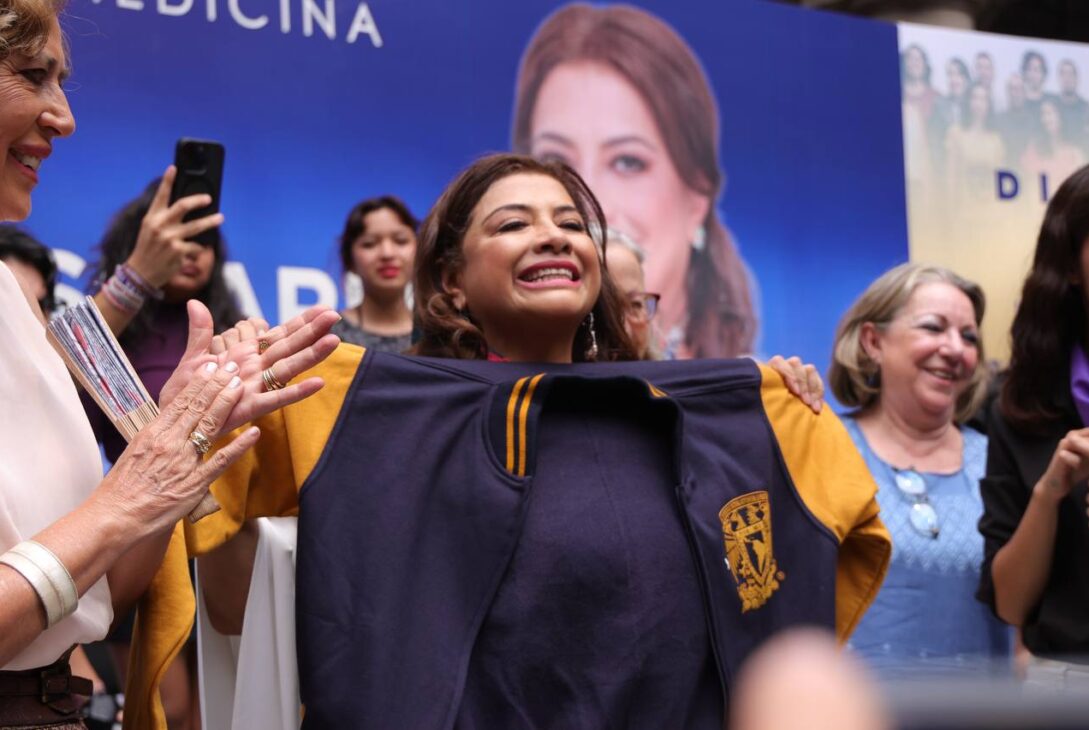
x,y
49,461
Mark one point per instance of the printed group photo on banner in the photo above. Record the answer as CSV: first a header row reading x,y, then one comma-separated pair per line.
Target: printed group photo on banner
x,y
993,125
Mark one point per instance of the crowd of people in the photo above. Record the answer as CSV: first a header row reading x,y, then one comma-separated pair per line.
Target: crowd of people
x,y
967,133
551,522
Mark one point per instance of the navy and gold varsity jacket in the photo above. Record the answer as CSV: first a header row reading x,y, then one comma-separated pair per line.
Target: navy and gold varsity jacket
x,y
412,477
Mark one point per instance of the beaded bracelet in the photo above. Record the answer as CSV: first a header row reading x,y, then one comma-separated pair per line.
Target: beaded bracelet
x,y
122,297
48,576
128,291
131,279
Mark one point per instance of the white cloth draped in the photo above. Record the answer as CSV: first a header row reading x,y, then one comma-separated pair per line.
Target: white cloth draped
x,y
49,461
252,681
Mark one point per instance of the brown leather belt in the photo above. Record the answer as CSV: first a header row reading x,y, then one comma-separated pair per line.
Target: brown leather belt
x,y
42,697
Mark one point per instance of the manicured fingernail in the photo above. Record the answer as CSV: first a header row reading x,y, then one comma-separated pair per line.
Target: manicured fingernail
x,y
235,382
211,367
232,367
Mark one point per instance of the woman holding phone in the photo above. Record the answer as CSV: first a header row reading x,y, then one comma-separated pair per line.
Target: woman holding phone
x,y
151,262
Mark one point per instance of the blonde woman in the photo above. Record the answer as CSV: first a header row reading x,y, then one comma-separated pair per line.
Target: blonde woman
x,y
907,359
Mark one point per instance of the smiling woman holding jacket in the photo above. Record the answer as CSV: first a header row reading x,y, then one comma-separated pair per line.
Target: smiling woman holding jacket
x,y
524,526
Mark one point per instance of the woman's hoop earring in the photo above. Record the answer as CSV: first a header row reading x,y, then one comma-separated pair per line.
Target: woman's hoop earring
x,y
591,351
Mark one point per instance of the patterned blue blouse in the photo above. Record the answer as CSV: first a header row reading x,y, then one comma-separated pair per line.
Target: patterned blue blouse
x,y
926,618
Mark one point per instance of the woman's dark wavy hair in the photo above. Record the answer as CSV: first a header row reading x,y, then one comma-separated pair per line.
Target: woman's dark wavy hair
x,y
354,228
657,62
15,243
445,331
117,245
1050,319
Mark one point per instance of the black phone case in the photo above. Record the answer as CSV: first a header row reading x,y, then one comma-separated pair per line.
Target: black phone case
x,y
199,164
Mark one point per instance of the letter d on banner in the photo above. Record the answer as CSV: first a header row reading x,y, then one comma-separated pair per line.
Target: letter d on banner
x,y
291,280
1006,185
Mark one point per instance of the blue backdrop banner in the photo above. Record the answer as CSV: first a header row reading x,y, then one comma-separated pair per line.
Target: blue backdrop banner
x,y
321,103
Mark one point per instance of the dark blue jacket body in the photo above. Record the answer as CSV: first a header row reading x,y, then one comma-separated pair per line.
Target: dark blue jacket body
x,y
411,514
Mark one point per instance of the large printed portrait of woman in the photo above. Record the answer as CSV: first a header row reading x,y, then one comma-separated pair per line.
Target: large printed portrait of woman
x,y
617,94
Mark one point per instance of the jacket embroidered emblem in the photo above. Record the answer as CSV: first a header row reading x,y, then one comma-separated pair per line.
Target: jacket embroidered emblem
x,y
746,531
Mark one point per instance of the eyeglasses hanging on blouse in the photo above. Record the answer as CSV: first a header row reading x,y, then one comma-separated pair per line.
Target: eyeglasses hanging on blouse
x,y
924,519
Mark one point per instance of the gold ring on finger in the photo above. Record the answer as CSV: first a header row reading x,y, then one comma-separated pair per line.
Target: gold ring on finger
x,y
270,380
200,443
262,345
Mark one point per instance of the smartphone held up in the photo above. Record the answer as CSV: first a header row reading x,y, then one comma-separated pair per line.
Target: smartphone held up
x,y
199,164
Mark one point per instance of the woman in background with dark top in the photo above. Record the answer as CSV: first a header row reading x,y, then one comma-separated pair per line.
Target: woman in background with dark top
x,y
1036,560
379,246
148,268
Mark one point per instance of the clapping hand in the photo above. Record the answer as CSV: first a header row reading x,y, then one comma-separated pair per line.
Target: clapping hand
x,y
282,352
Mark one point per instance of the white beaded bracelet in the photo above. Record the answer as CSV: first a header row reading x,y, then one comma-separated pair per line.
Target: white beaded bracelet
x,y
48,576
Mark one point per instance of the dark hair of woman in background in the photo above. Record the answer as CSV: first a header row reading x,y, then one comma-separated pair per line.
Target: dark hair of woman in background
x,y
18,245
